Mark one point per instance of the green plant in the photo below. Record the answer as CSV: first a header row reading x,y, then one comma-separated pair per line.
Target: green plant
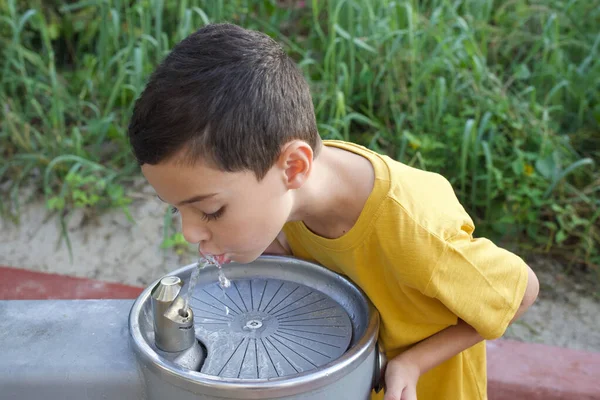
x,y
500,96
176,242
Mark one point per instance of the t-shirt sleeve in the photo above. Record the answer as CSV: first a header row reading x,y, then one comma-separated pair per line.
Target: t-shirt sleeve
x,y
481,283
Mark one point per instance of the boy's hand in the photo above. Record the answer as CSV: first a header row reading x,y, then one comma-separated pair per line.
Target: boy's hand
x,y
401,378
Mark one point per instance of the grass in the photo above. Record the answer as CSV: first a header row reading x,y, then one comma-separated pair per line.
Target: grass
x,y
502,97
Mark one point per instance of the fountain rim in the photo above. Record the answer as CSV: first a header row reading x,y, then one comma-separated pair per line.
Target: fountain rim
x,y
289,385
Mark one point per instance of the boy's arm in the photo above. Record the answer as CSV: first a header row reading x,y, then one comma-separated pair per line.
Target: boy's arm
x,y
403,371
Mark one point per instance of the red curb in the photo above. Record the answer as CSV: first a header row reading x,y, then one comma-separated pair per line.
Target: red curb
x,y
533,371
20,284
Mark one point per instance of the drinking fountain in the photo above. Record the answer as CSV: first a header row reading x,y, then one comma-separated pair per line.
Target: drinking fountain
x,y
284,329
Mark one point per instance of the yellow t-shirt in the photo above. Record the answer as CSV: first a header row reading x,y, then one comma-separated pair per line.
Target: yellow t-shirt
x,y
413,253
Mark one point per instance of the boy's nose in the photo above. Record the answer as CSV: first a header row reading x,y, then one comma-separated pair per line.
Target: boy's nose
x,y
194,233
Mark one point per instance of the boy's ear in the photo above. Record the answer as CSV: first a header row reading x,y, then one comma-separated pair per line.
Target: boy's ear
x,y
295,161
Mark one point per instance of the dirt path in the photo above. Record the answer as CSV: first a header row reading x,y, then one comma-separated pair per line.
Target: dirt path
x,y
112,248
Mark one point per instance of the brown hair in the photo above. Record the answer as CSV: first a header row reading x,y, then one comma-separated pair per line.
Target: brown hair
x,y
226,94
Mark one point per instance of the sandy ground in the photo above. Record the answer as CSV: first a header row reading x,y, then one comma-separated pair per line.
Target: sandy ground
x,y
109,247
566,313
112,248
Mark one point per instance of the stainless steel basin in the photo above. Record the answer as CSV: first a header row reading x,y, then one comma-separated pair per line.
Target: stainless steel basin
x,y
284,329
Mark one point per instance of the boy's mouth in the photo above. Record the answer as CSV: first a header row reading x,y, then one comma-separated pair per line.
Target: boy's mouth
x,y
222,259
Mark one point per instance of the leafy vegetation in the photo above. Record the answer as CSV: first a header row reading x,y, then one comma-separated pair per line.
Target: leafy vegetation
x,y
502,97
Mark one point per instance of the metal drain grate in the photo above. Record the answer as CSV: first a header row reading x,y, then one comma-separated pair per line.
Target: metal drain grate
x,y
265,328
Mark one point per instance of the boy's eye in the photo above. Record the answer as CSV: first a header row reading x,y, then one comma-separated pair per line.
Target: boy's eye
x,y
206,217
214,216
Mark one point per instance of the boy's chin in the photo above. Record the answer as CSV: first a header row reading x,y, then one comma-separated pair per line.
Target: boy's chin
x,y
243,259
246,258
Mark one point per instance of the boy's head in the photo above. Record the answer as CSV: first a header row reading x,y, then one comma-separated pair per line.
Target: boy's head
x,y
223,130
225,95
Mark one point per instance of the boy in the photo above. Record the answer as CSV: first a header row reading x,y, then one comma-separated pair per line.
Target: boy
x,y
225,132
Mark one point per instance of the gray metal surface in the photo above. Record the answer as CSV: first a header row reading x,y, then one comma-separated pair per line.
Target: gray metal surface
x,y
351,386
266,328
83,349
67,350
348,376
173,326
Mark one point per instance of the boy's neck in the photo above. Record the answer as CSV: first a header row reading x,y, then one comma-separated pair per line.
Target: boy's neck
x,y
331,200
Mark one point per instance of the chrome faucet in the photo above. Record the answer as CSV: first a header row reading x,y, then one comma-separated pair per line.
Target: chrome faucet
x,y
174,333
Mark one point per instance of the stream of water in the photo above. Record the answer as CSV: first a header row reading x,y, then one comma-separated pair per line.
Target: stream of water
x,y
202,263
